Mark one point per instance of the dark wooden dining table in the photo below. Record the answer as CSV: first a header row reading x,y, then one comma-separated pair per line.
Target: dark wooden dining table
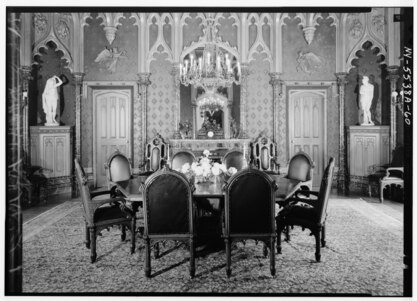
x,y
213,189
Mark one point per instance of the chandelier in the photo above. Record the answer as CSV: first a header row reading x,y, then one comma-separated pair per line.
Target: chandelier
x,y
212,66
211,102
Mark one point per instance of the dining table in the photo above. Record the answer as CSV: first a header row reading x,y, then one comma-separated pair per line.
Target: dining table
x,y
131,189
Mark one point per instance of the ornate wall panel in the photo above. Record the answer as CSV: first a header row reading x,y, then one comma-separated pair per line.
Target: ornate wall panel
x,y
192,29
87,130
259,99
314,61
115,61
333,135
161,106
229,28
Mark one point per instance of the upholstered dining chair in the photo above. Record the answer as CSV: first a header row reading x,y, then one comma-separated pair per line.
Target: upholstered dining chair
x,y
310,213
169,212
102,211
235,158
301,168
264,155
250,212
156,154
118,168
182,157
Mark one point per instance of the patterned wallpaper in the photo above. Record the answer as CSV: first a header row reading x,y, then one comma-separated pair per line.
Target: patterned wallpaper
x,y
161,105
259,101
333,135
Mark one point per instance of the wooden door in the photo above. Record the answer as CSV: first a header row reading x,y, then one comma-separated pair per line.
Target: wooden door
x,y
307,127
112,128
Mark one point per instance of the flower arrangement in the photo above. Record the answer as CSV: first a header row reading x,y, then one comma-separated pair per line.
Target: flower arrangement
x,y
204,169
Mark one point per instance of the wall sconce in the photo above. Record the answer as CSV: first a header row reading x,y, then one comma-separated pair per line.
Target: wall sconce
x,y
397,99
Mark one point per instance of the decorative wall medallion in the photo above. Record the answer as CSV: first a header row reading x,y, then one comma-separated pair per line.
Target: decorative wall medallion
x,y
308,62
355,28
378,21
40,22
109,58
62,30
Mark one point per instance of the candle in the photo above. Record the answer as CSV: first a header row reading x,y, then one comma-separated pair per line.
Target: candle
x,y
238,69
191,60
218,63
200,63
186,64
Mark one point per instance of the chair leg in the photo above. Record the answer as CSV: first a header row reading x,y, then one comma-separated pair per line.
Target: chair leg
x,y
192,258
381,193
87,237
317,236
272,256
287,233
228,257
147,257
123,233
156,250
279,230
93,238
323,236
133,234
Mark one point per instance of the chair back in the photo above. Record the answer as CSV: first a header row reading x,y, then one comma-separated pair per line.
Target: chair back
x,y
168,204
264,153
118,168
301,167
324,192
250,203
156,153
85,192
236,159
180,158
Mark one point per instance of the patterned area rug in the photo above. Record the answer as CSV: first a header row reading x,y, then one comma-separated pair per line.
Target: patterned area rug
x,y
361,257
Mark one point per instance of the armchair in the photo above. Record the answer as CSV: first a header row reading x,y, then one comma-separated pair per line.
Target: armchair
x,y
169,212
309,212
102,211
156,155
236,159
388,175
264,155
250,212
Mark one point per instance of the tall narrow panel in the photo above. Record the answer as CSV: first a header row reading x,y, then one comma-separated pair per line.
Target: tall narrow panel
x,y
306,118
103,128
122,118
104,155
315,155
316,121
370,154
297,121
48,148
113,120
59,155
358,156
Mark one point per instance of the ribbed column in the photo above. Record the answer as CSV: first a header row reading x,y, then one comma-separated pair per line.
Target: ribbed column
x,y
78,77
140,123
393,77
341,180
243,99
25,77
175,72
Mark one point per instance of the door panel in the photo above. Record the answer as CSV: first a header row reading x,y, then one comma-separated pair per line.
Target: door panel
x,y
113,127
306,127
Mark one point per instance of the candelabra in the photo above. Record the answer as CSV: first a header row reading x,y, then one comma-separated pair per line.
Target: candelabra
x,y
397,99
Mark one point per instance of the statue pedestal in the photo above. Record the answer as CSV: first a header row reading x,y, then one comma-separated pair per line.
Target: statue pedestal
x,y
367,146
51,150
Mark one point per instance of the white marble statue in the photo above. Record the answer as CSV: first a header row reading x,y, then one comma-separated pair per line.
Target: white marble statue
x,y
366,94
50,99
